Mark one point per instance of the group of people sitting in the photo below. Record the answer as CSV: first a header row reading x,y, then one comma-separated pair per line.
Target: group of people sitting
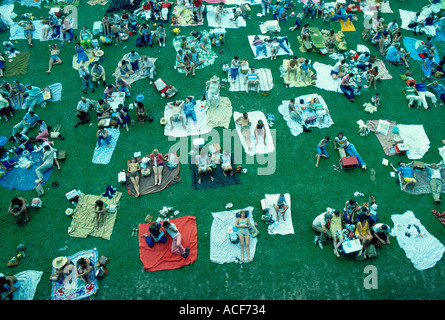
x,y
352,222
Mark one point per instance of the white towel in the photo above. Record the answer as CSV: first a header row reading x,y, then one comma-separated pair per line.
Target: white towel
x,y
424,251
254,116
324,78
179,131
261,55
415,138
221,249
27,283
226,21
264,76
282,227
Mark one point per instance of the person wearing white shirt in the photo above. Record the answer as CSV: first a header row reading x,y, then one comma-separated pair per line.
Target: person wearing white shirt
x,y
320,227
203,164
87,80
435,178
83,106
380,232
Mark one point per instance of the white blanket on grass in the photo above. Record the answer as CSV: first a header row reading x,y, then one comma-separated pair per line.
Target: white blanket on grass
x,y
261,55
178,129
324,79
294,126
424,251
406,17
222,250
254,116
264,76
226,17
27,282
282,227
415,138
7,14
18,33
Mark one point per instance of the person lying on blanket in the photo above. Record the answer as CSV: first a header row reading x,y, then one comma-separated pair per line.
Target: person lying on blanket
x,y
281,207
243,225
305,68
260,130
29,30
296,116
177,247
244,123
260,46
408,175
154,235
275,44
343,142
320,111
189,111
176,106
204,165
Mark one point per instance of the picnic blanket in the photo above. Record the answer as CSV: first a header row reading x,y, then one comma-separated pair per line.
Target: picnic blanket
x,y
406,16
26,284
84,218
264,77
178,130
422,185
261,54
341,25
422,248
18,32
324,79
282,227
208,58
91,59
294,81
146,184
77,289
18,65
221,115
415,138
227,18
185,16
294,126
103,154
56,95
160,256
136,75
26,3
386,140
217,173
7,14
20,178
254,116
410,45
123,5
222,250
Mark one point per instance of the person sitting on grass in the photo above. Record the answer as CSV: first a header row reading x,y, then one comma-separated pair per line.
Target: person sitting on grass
x,y
343,142
84,269
123,117
321,149
177,247
8,285
281,207
320,227
154,235
408,175
18,208
141,113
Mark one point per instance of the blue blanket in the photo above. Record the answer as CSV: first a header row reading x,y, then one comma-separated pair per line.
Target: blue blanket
x,y
56,95
103,154
24,179
410,46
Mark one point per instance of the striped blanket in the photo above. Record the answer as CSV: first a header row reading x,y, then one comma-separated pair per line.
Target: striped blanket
x,y
264,76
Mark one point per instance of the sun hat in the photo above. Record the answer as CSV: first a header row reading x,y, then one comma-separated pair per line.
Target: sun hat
x,y
139,97
59,262
214,78
98,53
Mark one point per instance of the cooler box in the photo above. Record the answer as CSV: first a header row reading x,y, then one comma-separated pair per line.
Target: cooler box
x,y
97,28
401,148
347,163
351,246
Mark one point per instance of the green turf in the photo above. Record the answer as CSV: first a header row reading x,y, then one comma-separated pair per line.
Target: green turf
x,y
285,267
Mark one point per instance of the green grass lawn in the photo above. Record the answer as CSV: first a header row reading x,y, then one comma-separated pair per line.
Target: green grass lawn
x,y
286,267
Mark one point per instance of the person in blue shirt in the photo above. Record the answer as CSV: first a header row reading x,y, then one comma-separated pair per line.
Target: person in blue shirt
x,y
394,55
438,88
305,71
363,61
321,149
341,13
189,110
33,97
423,94
408,175
309,9
29,120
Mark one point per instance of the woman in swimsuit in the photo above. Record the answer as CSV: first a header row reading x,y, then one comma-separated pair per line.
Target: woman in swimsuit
x,y
243,225
157,161
29,30
260,130
54,56
134,169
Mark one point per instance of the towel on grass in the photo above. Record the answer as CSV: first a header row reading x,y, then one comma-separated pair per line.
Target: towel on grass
x,y
84,218
221,115
18,65
261,55
227,18
254,116
406,16
160,256
295,81
424,251
18,32
146,184
137,75
26,3
422,185
341,25
264,77
324,78
270,26
415,138
26,285
7,14
217,173
294,126
208,58
410,45
56,95
178,130
387,140
103,154
123,5
23,179
282,227
77,289
222,250
185,16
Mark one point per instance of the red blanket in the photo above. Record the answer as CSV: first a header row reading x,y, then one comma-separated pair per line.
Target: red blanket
x,y
160,256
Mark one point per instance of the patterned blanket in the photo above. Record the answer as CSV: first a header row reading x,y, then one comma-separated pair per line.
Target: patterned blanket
x,y
103,154
264,77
